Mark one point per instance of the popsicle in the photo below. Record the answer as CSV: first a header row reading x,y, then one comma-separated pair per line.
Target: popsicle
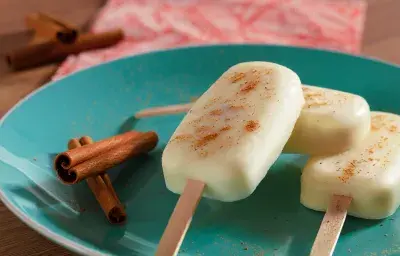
x,y
229,139
368,174
331,121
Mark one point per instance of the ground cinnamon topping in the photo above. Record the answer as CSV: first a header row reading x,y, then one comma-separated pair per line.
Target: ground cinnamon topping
x,y
204,153
216,112
348,171
248,86
236,77
393,128
182,137
212,102
374,127
226,128
203,129
268,71
309,95
381,121
236,107
205,140
252,125
378,122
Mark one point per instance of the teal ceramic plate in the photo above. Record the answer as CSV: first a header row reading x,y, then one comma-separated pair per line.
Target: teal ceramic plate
x,y
101,101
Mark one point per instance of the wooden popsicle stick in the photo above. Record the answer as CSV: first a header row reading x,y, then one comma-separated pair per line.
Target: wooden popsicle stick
x,y
180,219
331,226
166,110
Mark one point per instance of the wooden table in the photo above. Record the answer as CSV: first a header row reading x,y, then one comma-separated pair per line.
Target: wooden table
x,y
381,40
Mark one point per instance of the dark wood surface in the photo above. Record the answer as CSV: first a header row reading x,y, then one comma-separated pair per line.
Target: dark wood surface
x,y
381,40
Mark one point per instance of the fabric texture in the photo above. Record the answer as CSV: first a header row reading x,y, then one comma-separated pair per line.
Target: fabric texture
x,y
160,24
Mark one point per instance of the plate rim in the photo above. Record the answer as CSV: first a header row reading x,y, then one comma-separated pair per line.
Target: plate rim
x,y
76,246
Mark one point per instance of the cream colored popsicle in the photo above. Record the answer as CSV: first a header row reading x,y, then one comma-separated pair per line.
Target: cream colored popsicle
x,y
331,122
368,173
235,131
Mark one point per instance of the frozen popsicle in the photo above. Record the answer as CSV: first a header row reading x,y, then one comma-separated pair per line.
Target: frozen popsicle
x,y
331,121
231,136
369,173
235,131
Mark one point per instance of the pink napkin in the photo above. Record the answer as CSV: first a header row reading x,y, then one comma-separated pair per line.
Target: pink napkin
x,y
160,24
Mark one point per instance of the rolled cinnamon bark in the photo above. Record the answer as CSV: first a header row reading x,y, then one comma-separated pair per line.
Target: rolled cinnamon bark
x,y
30,56
78,155
49,27
85,140
103,190
105,159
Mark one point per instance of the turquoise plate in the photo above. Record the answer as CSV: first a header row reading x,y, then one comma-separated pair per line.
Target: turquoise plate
x,y
101,101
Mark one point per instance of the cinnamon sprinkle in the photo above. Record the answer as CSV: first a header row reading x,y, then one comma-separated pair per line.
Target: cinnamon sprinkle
x,y
393,128
348,171
203,153
312,95
226,128
316,103
268,71
182,137
252,125
216,112
248,86
196,121
203,129
237,77
205,140
378,122
374,127
212,102
236,107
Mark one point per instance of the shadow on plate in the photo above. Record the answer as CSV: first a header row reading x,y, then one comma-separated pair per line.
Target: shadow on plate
x,y
128,125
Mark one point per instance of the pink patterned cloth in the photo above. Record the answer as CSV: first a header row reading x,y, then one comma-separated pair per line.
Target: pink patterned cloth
x,y
160,24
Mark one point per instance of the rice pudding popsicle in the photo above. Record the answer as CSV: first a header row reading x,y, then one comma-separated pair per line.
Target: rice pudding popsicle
x,y
368,173
331,122
235,131
229,139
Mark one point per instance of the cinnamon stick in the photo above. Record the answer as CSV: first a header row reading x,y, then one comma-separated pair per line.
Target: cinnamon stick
x,y
86,140
49,27
33,55
78,155
109,156
103,190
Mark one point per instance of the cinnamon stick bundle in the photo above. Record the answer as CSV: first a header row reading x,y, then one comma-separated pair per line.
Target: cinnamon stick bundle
x,y
102,189
50,51
78,164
